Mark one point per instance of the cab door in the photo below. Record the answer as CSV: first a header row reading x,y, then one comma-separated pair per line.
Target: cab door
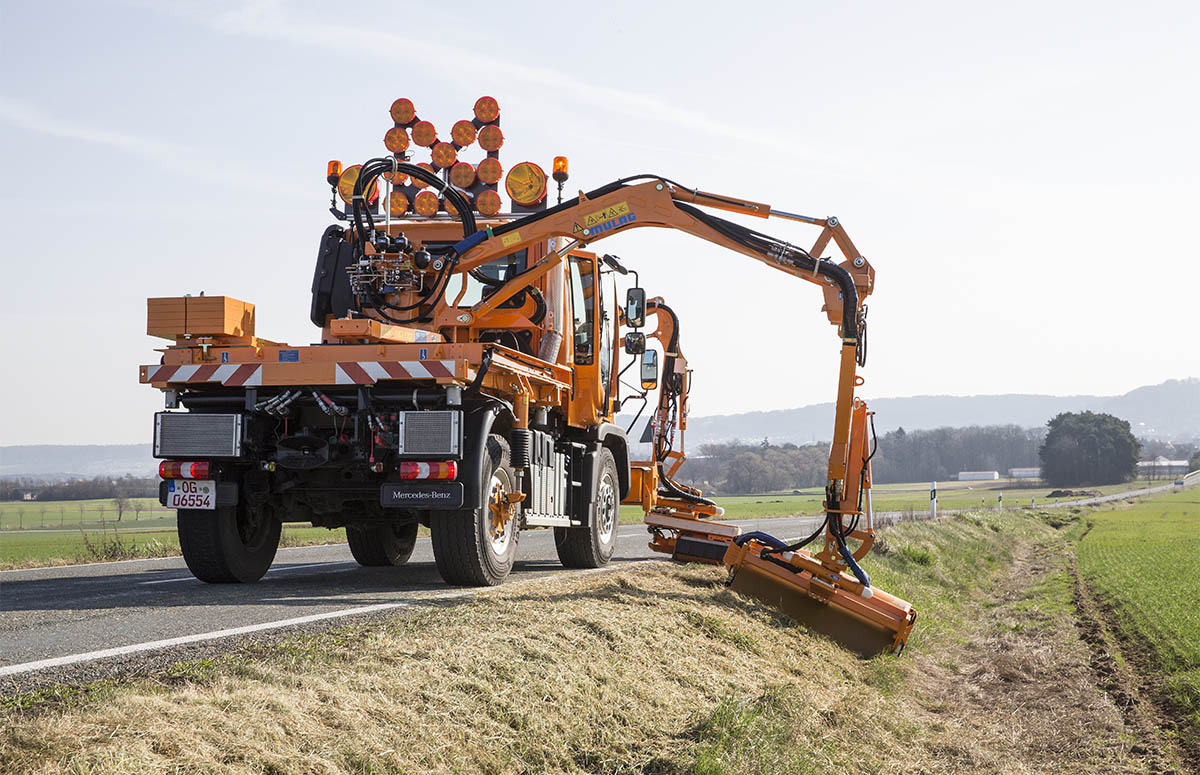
x,y
593,324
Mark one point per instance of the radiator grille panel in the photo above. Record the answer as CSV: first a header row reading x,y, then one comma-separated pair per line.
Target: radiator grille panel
x,y
184,434
429,433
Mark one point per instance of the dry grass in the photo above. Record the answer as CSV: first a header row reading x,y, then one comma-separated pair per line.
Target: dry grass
x,y
657,669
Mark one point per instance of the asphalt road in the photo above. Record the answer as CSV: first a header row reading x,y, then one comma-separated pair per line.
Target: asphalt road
x,y
79,623
54,619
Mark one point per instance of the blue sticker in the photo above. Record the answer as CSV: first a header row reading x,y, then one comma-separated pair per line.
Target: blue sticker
x,y
289,356
422,354
225,357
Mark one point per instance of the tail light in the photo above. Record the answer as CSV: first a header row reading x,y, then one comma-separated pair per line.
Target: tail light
x,y
171,469
487,109
444,156
403,111
346,186
490,138
450,208
412,470
424,134
428,168
398,204
396,140
488,203
526,184
426,203
462,175
463,133
490,171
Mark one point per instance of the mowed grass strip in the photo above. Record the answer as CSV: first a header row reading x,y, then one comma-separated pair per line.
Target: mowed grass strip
x,y
1144,562
657,669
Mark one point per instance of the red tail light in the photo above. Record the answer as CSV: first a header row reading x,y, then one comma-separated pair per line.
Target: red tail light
x,y
413,470
172,469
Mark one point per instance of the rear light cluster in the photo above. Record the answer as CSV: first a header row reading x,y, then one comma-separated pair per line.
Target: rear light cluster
x,y
479,184
171,469
410,469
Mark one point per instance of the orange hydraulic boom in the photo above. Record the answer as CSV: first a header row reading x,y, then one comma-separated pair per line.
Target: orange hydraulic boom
x,y
827,589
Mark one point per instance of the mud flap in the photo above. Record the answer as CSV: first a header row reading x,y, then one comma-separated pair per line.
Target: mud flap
x,y
840,626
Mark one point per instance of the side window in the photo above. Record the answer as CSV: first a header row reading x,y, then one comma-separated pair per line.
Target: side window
x,y
608,297
497,272
582,309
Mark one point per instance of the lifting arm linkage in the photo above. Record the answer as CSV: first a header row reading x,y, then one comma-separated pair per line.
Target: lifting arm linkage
x,y
658,203
812,588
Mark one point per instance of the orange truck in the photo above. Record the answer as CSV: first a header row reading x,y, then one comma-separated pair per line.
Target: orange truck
x,y
467,380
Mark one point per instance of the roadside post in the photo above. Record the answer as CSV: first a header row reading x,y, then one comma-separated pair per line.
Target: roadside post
x,y
1000,502
933,500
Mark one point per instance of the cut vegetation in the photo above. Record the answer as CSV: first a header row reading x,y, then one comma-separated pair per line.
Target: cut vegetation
x,y
655,669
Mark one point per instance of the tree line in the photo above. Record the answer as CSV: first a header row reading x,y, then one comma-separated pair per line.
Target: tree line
x,y
738,467
128,486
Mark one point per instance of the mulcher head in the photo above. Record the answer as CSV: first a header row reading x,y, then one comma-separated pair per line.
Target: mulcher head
x,y
862,618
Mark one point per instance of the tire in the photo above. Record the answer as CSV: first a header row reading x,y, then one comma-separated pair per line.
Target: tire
x,y
229,545
593,546
466,550
382,545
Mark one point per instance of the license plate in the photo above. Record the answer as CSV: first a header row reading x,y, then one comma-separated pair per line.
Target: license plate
x,y
191,494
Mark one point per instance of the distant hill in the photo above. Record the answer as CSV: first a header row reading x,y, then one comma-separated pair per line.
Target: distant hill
x,y
68,461
1170,411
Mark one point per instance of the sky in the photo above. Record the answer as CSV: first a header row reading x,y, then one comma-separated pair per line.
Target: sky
x,y
1024,177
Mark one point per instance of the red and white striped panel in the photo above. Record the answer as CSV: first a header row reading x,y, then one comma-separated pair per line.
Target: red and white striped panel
x,y
232,374
370,372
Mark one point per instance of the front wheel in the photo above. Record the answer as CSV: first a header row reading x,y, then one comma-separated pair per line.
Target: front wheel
x,y
382,545
230,544
477,547
593,546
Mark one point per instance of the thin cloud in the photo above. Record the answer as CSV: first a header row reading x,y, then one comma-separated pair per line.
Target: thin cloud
x,y
179,159
274,20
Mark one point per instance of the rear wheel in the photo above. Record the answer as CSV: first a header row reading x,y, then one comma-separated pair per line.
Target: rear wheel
x,y
593,546
230,544
477,547
383,544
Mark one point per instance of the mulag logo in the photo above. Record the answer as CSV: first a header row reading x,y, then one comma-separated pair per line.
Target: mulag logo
x,y
606,220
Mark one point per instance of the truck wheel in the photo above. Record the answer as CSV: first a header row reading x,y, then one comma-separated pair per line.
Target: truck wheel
x,y
382,545
592,546
476,547
230,544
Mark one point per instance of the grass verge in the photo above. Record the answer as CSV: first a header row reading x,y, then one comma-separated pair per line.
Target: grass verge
x,y
658,669
35,549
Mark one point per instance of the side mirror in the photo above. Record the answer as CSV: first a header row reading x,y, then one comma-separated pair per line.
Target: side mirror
x,y
649,369
635,307
635,342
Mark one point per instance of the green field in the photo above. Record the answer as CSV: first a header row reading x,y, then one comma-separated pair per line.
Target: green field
x,y
33,548
1144,562
57,532
24,515
892,497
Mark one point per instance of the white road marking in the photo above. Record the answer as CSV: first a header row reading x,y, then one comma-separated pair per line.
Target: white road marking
x,y
167,643
272,570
